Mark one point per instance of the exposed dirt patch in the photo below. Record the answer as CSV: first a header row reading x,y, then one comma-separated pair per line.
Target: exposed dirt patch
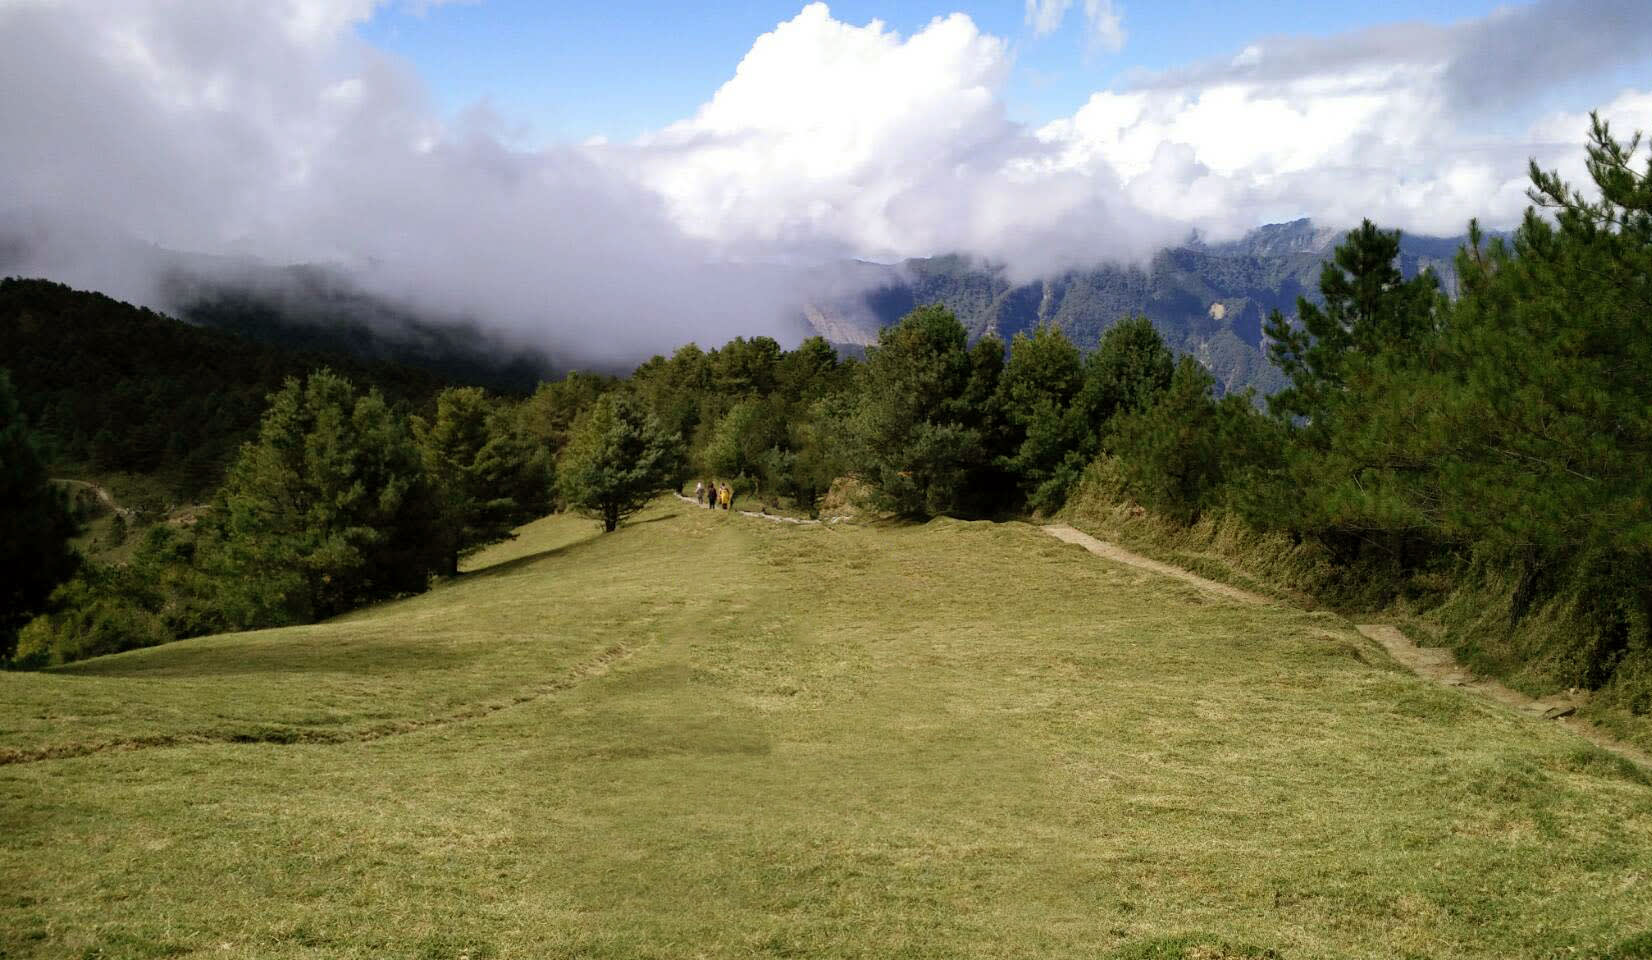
x,y
1434,663
1102,548
1438,664
101,495
759,515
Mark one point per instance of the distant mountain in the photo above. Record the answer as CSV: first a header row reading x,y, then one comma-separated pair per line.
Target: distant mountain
x,y
1208,300
304,307
315,309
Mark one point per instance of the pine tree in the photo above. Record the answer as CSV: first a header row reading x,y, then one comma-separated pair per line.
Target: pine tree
x,y
747,443
617,460
915,434
1054,438
326,510
471,457
1171,453
1370,309
1129,369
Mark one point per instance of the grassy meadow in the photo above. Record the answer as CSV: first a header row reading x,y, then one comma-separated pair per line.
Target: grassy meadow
x,y
712,736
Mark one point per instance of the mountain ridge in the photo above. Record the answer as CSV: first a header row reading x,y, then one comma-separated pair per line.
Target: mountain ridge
x,y
1208,300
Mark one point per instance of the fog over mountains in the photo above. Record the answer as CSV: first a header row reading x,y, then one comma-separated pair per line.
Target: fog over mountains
x,y
1208,300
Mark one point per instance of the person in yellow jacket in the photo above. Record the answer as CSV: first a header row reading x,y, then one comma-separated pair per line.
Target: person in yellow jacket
x,y
725,496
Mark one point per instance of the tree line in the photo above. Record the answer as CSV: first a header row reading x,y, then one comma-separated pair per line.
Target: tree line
x,y
112,388
1503,436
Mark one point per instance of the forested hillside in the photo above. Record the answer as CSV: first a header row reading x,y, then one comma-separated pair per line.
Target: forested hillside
x,y
113,387
313,309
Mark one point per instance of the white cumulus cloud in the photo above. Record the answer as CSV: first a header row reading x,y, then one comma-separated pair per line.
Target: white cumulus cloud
x,y
267,130
837,137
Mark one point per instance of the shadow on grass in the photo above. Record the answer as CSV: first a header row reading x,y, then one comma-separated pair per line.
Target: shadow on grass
x,y
517,563
327,655
317,653
674,515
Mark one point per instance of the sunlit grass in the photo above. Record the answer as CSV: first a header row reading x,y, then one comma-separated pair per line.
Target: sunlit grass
x,y
706,735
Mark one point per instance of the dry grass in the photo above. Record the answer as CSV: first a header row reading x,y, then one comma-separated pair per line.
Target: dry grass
x,y
712,736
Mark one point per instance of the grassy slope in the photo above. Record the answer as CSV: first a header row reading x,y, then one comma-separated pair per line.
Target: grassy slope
x,y
723,737
1471,617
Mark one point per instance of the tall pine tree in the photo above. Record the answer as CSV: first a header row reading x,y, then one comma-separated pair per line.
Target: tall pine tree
x,y
617,460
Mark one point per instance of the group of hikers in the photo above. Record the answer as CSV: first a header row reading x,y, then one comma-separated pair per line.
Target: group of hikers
x,y
713,495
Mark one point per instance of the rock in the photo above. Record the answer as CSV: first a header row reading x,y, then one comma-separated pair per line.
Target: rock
x,y
1555,713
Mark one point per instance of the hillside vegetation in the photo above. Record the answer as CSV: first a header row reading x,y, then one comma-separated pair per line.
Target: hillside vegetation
x,y
116,389
707,735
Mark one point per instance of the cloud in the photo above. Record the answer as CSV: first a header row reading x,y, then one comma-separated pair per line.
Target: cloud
x,y
1403,123
267,130
835,137
1481,65
1045,16
840,140
258,129
1106,24
1105,20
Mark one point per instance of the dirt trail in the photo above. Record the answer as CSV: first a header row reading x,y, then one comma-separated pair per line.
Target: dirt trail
x,y
776,518
1102,548
103,495
1432,663
1437,663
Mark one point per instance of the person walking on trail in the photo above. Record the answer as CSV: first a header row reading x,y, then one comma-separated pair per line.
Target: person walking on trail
x,y
726,496
711,496
700,492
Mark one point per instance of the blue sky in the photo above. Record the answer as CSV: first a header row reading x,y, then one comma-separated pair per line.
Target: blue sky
x,y
618,69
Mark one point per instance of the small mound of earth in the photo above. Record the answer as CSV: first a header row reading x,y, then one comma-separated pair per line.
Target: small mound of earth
x,y
845,498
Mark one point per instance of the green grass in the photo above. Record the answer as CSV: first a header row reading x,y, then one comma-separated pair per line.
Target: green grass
x,y
706,735
1467,611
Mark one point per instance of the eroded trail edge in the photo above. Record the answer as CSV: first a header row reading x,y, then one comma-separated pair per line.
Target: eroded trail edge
x,y
1102,548
1431,663
1437,664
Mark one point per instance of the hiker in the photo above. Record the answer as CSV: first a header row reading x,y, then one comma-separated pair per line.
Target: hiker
x,y
711,496
726,496
700,492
